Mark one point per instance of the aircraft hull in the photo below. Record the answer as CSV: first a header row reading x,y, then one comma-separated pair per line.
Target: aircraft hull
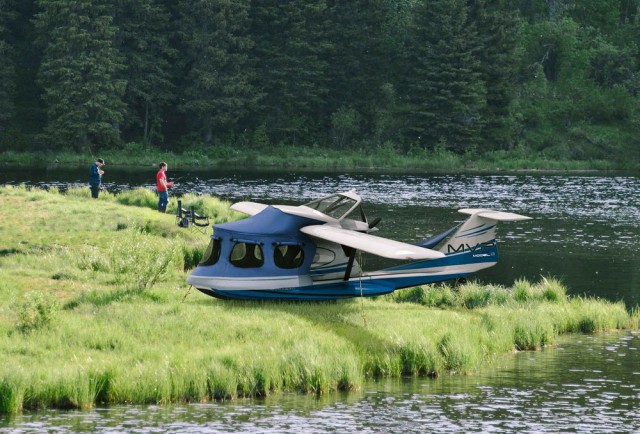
x,y
353,288
453,266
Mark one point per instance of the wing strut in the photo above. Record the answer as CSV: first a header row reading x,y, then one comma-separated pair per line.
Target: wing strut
x,y
352,257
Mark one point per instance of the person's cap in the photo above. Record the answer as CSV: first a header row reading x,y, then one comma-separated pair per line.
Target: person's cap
x,y
100,160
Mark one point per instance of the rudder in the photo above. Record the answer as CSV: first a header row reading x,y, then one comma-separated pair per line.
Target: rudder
x,y
478,231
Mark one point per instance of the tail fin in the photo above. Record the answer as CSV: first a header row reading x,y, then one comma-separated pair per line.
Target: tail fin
x,y
471,248
478,231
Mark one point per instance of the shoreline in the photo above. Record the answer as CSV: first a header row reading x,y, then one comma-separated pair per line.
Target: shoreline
x,y
89,317
312,159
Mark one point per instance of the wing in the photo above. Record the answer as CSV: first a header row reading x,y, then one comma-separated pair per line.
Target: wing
x,y
370,243
250,208
253,208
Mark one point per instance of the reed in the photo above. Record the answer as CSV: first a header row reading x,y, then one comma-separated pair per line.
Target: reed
x,y
115,335
11,395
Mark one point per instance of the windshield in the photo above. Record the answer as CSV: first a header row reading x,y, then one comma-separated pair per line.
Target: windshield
x,y
336,206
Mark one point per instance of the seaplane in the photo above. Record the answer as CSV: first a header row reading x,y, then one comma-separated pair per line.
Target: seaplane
x,y
309,252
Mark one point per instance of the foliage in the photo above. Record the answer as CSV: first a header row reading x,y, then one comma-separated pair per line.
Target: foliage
x,y
217,90
138,261
345,125
7,70
361,34
144,33
447,94
213,78
38,310
292,68
497,27
79,72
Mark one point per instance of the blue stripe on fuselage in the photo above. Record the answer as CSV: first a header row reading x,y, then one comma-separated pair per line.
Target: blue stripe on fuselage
x,y
480,255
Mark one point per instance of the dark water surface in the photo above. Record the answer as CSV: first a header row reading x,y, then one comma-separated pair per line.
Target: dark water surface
x,y
585,231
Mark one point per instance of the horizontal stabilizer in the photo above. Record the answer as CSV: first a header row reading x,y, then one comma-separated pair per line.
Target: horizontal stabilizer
x,y
495,215
370,243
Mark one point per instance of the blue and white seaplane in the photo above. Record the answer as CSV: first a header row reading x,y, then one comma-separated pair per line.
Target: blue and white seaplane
x,y
308,252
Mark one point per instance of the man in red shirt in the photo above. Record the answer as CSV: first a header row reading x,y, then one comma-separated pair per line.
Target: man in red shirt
x,y
162,187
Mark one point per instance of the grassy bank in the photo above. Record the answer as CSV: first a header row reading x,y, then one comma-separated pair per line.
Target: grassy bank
x,y
381,157
93,311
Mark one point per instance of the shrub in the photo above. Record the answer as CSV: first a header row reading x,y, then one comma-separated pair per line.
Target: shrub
x,y
90,258
38,310
138,261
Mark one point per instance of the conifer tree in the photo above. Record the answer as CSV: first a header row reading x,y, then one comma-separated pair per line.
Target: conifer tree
x,y
361,58
446,93
217,93
291,56
497,24
80,72
144,33
7,67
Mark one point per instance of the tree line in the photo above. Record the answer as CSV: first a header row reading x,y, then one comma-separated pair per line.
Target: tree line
x,y
554,76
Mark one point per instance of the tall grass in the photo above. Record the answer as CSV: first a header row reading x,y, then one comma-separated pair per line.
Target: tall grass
x,y
115,335
11,395
387,155
473,295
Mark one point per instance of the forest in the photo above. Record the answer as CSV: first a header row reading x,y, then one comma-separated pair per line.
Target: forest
x,y
558,78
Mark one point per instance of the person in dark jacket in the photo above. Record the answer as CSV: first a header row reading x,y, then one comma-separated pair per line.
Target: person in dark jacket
x,y
95,177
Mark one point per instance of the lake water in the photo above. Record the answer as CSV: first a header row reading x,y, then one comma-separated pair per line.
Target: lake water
x,y
585,231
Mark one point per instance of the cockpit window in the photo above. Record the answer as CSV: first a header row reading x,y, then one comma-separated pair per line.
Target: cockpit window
x,y
288,256
336,206
212,254
246,255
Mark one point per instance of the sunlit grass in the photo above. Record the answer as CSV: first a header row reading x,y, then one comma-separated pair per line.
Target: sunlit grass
x,y
89,316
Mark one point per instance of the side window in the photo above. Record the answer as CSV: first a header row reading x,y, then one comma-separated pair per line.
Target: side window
x,y
246,255
288,256
212,254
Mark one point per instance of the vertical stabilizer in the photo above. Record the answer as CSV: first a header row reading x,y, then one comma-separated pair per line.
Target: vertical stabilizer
x,y
478,232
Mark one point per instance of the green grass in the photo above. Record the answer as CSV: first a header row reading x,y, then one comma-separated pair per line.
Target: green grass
x,y
385,156
94,310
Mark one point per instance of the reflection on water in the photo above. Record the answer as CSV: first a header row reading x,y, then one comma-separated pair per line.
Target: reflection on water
x,y
584,384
